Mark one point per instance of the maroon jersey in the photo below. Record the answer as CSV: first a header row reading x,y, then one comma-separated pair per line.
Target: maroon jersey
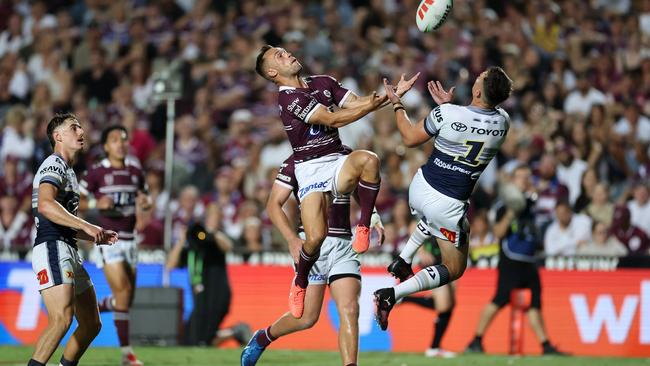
x,y
297,105
339,213
122,185
636,241
20,188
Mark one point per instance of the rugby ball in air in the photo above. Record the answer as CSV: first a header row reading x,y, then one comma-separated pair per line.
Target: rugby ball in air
x,y
431,14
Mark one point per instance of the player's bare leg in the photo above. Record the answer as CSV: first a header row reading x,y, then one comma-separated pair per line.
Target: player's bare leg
x,y
454,262
59,302
313,212
286,324
345,292
360,171
121,279
87,315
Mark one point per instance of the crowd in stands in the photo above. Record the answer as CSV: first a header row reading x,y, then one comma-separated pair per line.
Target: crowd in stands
x,y
579,108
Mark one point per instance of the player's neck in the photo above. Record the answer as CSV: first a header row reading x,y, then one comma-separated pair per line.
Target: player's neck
x,y
294,81
67,155
116,163
479,103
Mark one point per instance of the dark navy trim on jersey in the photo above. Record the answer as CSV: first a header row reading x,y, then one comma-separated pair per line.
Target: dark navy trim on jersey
x,y
450,177
426,128
486,111
51,181
53,260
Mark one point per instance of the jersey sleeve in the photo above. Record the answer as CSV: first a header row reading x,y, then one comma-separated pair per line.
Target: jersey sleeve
x,y
52,172
286,175
339,93
435,120
300,105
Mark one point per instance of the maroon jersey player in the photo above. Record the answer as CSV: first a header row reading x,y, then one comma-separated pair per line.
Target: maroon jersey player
x,y
308,109
116,187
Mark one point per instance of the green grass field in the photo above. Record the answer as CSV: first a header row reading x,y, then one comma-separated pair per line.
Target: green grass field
x,y
153,356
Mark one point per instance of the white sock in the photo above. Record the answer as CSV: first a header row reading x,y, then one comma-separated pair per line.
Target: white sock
x,y
416,239
427,279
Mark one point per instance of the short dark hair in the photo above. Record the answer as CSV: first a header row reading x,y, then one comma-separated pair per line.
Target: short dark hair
x,y
110,129
55,123
497,86
259,63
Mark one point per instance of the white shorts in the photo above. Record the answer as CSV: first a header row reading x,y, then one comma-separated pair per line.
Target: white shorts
x,y
56,263
122,251
446,216
319,175
336,259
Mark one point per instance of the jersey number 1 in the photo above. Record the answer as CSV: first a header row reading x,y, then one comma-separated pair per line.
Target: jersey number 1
x,y
471,157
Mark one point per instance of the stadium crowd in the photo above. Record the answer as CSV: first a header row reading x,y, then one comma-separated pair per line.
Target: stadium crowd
x,y
579,107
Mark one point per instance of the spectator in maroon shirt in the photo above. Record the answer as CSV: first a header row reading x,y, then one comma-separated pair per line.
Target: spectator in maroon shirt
x,y
18,185
15,226
549,189
636,241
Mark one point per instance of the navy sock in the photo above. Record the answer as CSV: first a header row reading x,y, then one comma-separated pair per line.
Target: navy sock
x,y
265,338
440,328
65,362
33,362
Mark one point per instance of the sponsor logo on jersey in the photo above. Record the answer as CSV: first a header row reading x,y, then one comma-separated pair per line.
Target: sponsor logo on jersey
x,y
487,131
451,167
327,93
460,127
51,168
69,274
304,190
438,114
450,235
42,277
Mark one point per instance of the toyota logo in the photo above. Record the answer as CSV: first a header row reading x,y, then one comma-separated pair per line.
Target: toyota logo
x,y
460,127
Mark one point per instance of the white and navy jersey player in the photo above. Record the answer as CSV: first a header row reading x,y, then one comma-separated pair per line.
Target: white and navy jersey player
x,y
122,185
466,138
55,259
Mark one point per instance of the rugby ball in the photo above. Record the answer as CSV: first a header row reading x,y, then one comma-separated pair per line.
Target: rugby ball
x,y
431,14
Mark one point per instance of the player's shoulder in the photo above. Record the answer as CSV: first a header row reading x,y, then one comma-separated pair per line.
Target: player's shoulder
x,y
503,113
53,163
323,78
132,162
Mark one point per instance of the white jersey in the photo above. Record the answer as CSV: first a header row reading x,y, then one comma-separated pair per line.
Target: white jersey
x,y
466,140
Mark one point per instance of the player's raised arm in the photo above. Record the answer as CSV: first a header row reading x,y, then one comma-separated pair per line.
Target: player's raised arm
x,y
343,117
413,134
403,86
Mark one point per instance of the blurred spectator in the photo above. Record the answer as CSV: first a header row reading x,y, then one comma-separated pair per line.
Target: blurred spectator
x,y
17,139
602,243
252,236
640,208
568,231
98,80
636,241
15,184
583,97
12,39
633,125
16,226
549,189
600,209
587,183
482,243
570,170
187,208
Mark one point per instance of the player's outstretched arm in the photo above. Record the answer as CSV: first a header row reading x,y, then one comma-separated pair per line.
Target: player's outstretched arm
x,y
277,198
53,211
412,134
343,117
403,86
